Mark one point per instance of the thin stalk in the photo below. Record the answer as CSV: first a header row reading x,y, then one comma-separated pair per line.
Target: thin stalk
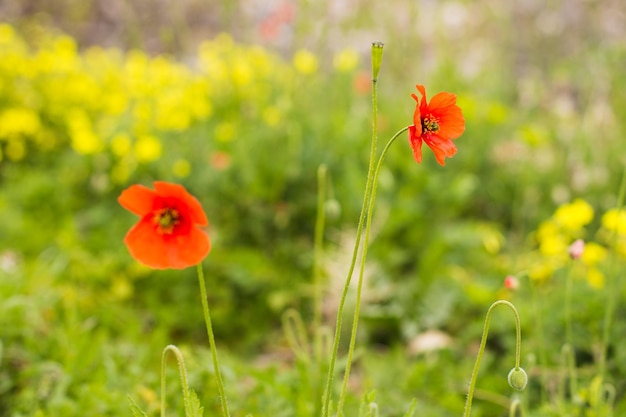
x,y
368,186
357,308
571,359
209,329
183,376
516,405
481,350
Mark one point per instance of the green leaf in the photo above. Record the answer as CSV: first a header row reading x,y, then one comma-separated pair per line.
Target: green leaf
x,y
193,407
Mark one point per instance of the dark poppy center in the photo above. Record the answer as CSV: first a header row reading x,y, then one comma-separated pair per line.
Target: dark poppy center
x,y
166,220
430,124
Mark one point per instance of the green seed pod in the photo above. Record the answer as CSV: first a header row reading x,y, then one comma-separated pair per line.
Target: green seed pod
x,y
518,379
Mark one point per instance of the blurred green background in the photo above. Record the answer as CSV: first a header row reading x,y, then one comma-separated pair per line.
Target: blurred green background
x,y
241,102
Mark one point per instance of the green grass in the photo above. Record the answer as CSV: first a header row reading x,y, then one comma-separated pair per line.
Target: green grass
x,y
244,123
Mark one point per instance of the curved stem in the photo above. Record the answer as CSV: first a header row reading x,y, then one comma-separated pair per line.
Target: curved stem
x,y
183,376
516,405
344,294
481,350
357,307
209,329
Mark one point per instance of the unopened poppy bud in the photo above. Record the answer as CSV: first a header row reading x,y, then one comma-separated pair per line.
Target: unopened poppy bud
x,y
576,249
517,378
377,58
511,283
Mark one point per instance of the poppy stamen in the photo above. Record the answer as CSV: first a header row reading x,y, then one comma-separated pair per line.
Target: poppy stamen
x,y
430,124
166,219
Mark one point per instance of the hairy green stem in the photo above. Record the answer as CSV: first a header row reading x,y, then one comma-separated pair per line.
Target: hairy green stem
x,y
357,307
183,376
571,358
376,56
481,350
209,329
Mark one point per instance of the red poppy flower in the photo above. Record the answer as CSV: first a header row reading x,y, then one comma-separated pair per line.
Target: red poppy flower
x,y
436,123
168,233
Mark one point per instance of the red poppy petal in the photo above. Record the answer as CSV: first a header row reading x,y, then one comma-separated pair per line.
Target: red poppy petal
x,y
442,147
193,247
415,140
417,115
160,251
423,104
451,122
441,100
195,210
137,199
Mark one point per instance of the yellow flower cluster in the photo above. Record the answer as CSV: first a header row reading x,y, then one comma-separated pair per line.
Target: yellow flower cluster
x,y
554,237
130,105
614,230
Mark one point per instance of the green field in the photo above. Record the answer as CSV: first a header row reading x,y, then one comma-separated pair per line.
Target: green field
x,y
265,112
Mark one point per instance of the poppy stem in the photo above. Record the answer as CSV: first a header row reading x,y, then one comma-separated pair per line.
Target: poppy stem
x,y
209,329
377,50
183,376
516,371
357,308
569,338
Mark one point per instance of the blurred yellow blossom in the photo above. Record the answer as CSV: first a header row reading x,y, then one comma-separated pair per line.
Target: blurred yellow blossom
x,y
147,148
121,144
15,149
541,272
593,254
346,60
120,173
553,245
615,221
181,168
305,62
84,139
241,73
595,278
225,132
272,116
546,229
574,216
18,121
7,34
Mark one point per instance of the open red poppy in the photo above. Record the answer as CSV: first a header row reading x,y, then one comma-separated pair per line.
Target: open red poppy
x,y
168,233
436,123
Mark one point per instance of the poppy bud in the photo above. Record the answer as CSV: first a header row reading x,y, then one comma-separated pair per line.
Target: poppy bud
x,y
511,283
517,378
576,249
377,58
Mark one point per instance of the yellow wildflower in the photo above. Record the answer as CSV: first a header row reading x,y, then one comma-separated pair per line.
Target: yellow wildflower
x,y
593,254
147,149
346,60
305,62
574,216
595,278
615,221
